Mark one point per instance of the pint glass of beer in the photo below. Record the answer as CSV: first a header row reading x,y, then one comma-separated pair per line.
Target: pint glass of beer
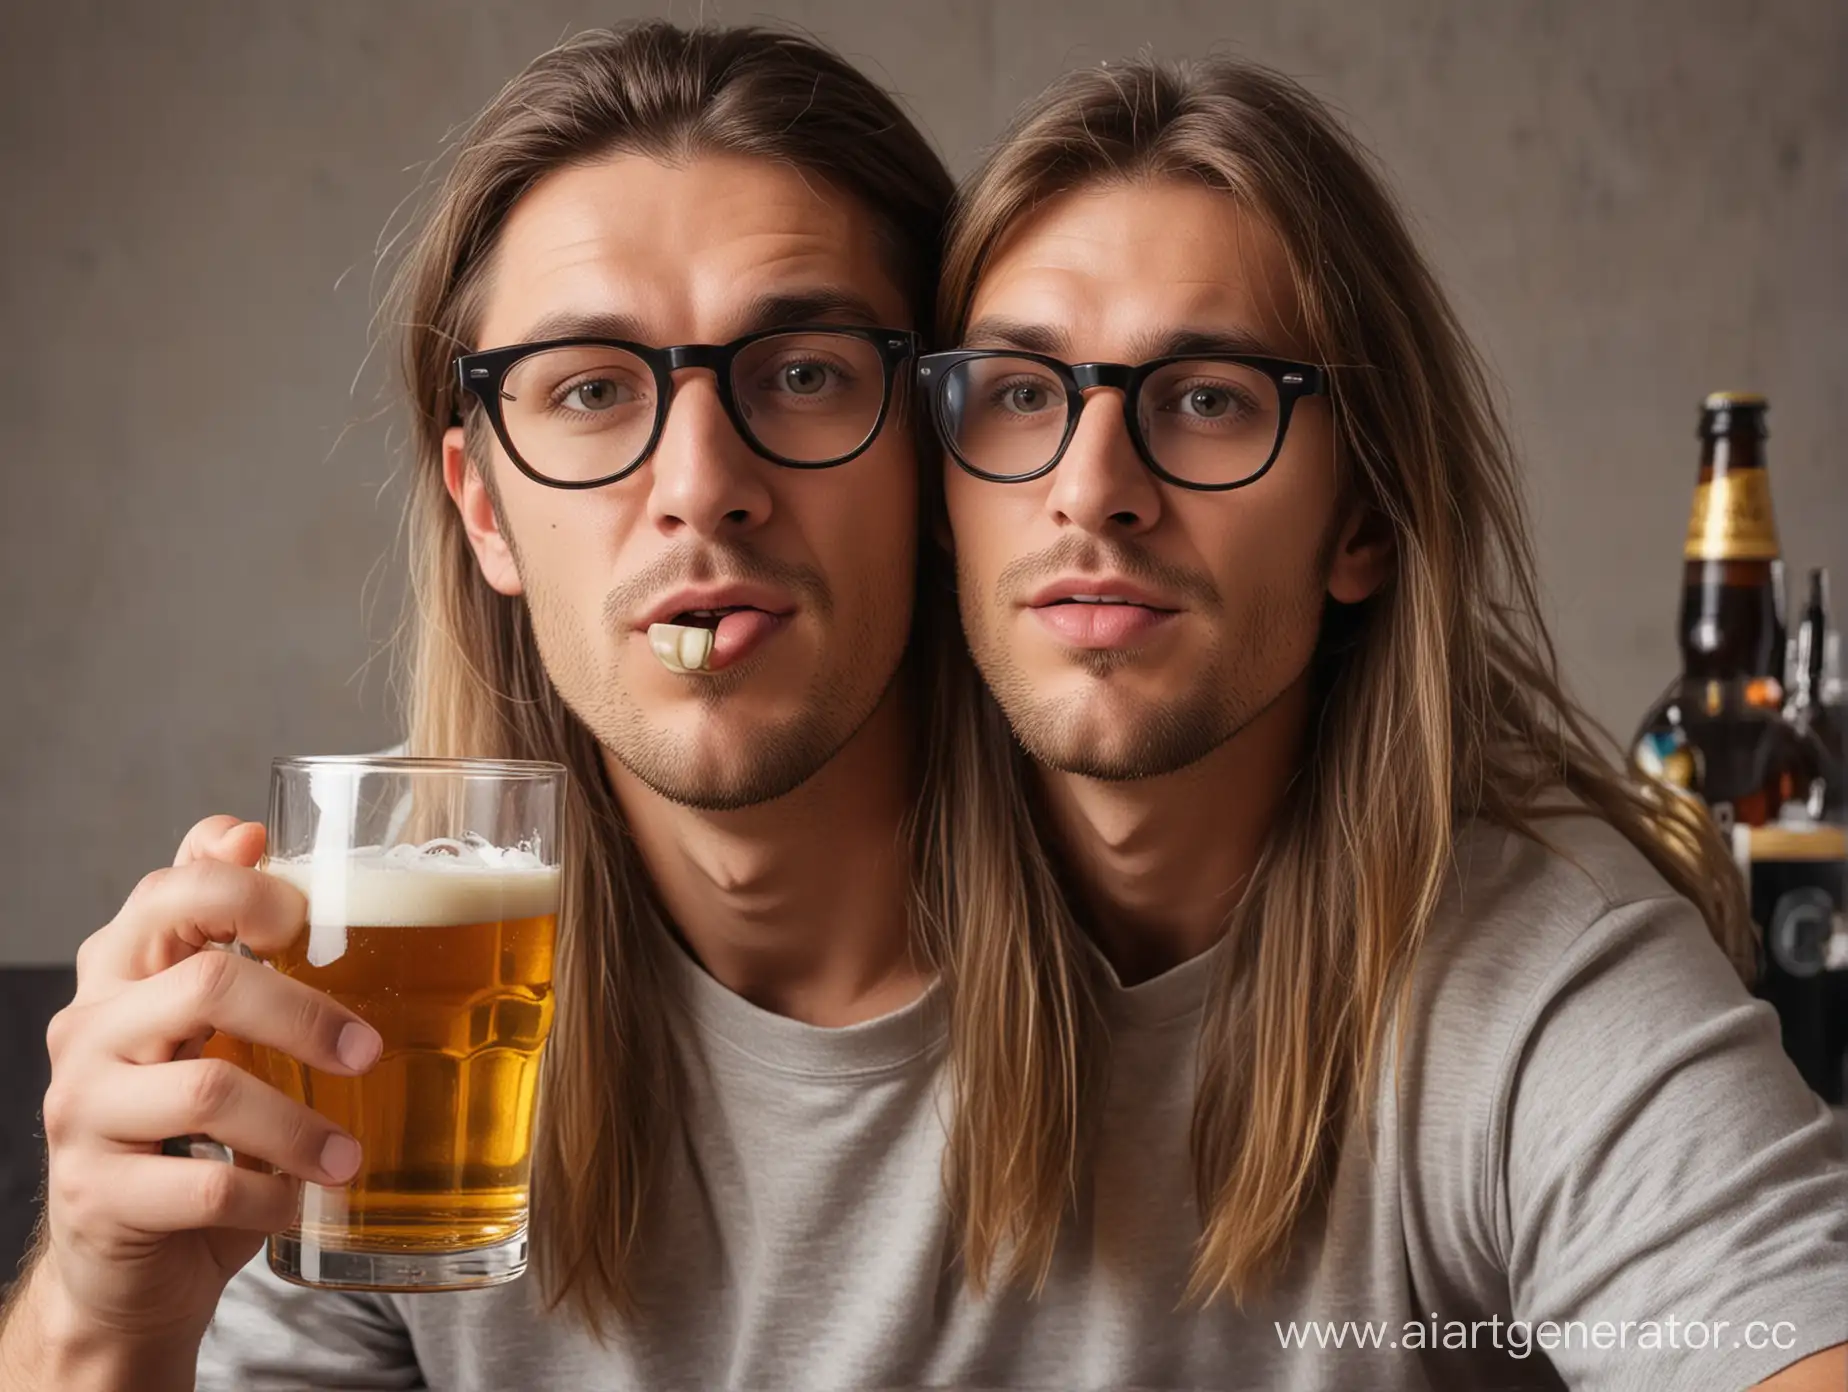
x,y
432,888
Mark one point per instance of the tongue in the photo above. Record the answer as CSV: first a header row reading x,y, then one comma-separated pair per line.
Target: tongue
x,y
736,634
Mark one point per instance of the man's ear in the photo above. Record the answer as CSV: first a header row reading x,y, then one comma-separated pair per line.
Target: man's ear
x,y
1362,558
469,492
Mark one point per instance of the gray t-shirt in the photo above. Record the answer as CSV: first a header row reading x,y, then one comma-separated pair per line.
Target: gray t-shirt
x,y
1591,1123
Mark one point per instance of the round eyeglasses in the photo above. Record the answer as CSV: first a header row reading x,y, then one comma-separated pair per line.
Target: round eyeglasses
x,y
583,412
1213,422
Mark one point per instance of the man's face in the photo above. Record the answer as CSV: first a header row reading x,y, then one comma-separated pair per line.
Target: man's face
x,y
1230,586
822,560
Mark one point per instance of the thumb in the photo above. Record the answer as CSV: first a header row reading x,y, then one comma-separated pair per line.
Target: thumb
x,y
223,838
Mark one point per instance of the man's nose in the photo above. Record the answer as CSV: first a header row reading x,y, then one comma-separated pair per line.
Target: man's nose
x,y
1101,484
704,479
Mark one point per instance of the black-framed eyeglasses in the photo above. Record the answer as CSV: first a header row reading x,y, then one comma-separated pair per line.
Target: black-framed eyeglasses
x,y
583,412
1211,422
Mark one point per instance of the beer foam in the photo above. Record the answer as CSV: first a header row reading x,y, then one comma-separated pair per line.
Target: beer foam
x,y
439,884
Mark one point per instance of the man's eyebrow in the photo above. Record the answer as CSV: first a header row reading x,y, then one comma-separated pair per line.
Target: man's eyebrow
x,y
995,331
577,323
1191,342
826,304
776,310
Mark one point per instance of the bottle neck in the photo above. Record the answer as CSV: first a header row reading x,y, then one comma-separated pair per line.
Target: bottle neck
x,y
1732,609
1732,620
1806,664
1723,454
1808,667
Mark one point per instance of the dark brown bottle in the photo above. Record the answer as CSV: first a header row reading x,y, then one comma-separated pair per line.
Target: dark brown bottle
x,y
1719,732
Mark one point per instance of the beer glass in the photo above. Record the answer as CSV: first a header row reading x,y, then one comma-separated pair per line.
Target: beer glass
x,y
432,888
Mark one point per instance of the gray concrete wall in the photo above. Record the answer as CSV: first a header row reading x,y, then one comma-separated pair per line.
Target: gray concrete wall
x,y
1632,203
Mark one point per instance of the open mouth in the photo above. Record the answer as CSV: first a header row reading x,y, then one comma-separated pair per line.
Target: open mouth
x,y
737,631
710,618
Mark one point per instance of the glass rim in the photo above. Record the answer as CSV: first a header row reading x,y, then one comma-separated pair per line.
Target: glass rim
x,y
536,770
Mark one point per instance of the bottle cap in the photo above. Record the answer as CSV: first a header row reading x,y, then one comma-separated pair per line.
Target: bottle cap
x,y
1732,412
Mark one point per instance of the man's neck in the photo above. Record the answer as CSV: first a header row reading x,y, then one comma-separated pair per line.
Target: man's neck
x,y
1162,862
800,905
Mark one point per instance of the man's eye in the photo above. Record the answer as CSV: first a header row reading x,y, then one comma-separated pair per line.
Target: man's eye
x,y
811,376
599,394
1211,401
804,379
1024,398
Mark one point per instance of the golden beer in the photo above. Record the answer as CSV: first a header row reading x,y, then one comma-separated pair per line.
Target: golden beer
x,y
452,965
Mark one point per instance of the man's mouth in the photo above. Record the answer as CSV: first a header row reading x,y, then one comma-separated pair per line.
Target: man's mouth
x,y
710,640
709,618
1107,617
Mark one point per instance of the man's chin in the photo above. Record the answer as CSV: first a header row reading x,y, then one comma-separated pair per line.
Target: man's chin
x,y
723,784
1107,765
1115,739
727,757
740,744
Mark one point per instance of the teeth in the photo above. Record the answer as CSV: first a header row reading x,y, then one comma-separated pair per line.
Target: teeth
x,y
1098,599
681,648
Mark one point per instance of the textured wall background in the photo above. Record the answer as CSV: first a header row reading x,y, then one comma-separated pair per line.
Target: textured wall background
x,y
1632,203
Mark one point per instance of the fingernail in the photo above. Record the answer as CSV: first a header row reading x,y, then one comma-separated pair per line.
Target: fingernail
x,y
359,1046
340,1158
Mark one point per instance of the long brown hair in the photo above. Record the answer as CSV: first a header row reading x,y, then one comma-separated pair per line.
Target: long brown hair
x,y
475,684
1442,700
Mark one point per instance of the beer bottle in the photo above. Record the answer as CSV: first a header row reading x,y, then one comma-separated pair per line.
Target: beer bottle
x,y
1719,732
1815,693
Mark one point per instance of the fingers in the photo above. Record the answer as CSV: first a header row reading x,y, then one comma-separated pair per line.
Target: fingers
x,y
176,912
227,1047
159,1194
208,1097
231,994
223,838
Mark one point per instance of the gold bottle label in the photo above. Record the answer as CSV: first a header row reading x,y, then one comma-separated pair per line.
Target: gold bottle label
x,y
1731,520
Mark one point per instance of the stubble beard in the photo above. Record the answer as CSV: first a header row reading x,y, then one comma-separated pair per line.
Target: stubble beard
x,y
705,774
702,771
1101,733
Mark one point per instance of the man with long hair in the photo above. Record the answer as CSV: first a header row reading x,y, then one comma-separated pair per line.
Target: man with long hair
x,y
1416,1011
659,329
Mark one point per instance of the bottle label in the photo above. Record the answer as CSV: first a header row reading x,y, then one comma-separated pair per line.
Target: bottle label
x,y
1731,520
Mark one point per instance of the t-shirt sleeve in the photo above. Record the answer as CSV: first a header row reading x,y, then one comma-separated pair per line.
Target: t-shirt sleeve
x,y
268,1335
1674,1199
